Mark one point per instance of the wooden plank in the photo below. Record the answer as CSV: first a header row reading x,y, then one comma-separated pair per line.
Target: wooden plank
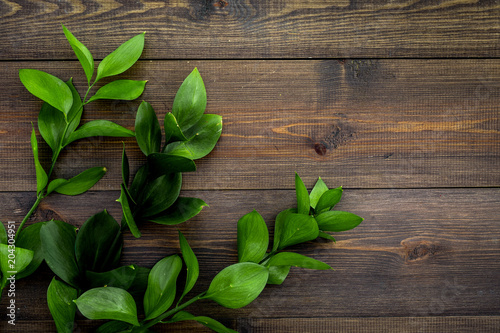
x,y
358,123
242,29
419,252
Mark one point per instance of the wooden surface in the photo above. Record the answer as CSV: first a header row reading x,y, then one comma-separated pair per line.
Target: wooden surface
x,y
398,101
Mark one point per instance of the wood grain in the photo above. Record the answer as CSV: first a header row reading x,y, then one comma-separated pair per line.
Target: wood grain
x,y
230,29
358,123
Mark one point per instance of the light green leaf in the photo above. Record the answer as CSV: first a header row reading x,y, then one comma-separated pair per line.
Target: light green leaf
x,y
147,128
206,321
108,303
317,191
303,203
190,101
127,212
122,58
159,194
60,298
338,221
120,89
296,260
329,199
99,128
41,175
82,53
181,210
192,266
253,237
279,225
324,235
238,285
29,238
278,274
13,259
48,88
202,138
161,289
79,184
161,164
173,131
296,229
121,277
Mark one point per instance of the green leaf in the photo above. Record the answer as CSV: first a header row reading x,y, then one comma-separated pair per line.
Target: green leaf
x,y
202,138
159,194
181,210
122,58
329,199
41,175
190,101
297,228
338,221
317,191
161,164
139,181
238,285
147,129
58,246
121,277
126,90
79,184
279,226
253,237
162,280
303,203
98,243
140,283
29,238
13,260
192,267
125,168
206,321
296,260
108,303
324,235
82,53
278,274
113,327
60,298
48,88
3,234
99,128
127,212
75,113
173,130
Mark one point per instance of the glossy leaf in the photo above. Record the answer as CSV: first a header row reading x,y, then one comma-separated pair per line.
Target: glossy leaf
x,y
190,101
29,238
303,203
3,234
41,175
296,260
147,129
206,321
48,88
329,199
13,260
60,298
161,289
82,53
317,191
121,277
238,285
126,90
192,266
159,194
278,274
122,58
58,246
128,217
99,128
338,221
173,130
202,138
296,229
98,243
253,237
279,226
324,235
51,124
181,210
79,184
113,327
108,303
161,164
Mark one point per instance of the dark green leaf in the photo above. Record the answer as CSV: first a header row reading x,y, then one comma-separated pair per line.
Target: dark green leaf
x,y
338,221
296,260
173,131
108,303
161,164
122,58
161,289
147,129
182,210
202,138
127,212
113,327
159,194
139,181
324,235
60,298
206,321
99,128
125,168
278,274
238,285
41,175
120,89
317,191
140,283
303,203
3,234
190,101
82,53
48,88
297,228
13,259
121,277
192,267
98,243
58,246
329,199
29,238
279,226
79,184
253,237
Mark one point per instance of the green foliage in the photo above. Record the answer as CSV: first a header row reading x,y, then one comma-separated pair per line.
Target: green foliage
x,y
79,184
60,298
253,238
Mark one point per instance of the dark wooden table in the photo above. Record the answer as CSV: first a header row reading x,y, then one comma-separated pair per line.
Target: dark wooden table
x,y
397,101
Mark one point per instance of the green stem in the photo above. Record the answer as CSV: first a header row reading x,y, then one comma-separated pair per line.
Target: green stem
x,y
35,205
267,257
88,90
